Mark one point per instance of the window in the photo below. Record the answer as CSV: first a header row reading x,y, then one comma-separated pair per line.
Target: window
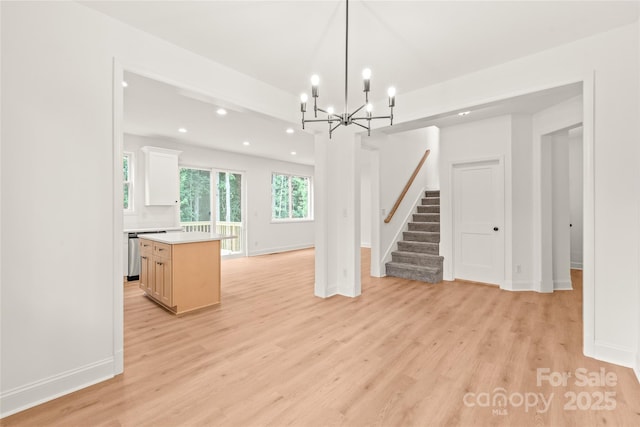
x,y
127,180
290,197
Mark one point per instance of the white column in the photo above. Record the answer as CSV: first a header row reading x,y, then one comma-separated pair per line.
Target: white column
x,y
377,267
337,214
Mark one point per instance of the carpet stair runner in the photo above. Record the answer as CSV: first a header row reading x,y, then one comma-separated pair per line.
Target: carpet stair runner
x,y
417,257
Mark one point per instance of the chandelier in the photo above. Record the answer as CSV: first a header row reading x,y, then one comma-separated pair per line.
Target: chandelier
x,y
345,119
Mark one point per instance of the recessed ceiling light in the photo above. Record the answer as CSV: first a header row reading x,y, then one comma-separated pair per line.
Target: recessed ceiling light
x,y
221,112
246,143
464,113
182,130
289,130
293,153
124,84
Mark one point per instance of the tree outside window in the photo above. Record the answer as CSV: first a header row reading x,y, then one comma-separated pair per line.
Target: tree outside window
x,y
290,197
229,197
195,195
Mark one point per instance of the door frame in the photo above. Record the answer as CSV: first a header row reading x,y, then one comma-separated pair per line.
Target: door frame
x,y
213,170
588,80
448,216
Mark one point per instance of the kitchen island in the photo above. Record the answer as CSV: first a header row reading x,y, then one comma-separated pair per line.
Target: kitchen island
x,y
181,271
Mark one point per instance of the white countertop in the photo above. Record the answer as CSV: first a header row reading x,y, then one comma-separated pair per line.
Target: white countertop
x,y
185,237
156,229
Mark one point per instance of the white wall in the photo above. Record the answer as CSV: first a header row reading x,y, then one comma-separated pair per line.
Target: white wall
x,y
264,236
560,211
575,196
472,141
398,155
57,107
637,304
518,260
608,63
365,199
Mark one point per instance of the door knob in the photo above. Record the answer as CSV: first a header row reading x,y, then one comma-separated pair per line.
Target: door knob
x,y
495,228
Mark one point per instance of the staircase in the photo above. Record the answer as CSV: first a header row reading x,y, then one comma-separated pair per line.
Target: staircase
x,y
417,257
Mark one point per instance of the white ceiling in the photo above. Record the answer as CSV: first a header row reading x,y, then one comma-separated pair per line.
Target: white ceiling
x,y
156,109
530,103
408,44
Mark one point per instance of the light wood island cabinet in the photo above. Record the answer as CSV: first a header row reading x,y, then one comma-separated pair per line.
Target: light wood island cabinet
x,y
181,271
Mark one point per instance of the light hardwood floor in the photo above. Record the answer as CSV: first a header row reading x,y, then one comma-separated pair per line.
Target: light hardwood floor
x,y
404,353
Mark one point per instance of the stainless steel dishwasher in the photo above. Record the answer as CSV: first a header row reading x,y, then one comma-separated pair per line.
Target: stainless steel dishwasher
x,y
133,264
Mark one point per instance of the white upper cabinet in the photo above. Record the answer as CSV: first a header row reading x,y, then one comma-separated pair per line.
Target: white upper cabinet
x,y
161,183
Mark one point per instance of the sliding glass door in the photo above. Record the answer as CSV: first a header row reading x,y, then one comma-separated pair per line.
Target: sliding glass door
x,y
204,191
229,211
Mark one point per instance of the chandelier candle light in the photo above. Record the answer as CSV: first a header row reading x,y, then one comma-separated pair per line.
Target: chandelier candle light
x,y
346,118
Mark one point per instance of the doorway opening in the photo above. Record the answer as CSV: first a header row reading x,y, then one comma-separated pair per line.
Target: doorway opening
x,y
561,207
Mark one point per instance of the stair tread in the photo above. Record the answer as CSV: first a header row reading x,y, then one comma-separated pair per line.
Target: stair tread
x,y
418,243
417,254
413,267
423,232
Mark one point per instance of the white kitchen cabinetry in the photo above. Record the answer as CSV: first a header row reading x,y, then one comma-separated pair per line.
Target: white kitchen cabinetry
x,y
161,183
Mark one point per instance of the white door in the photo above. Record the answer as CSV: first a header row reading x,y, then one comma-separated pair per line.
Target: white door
x,y
478,219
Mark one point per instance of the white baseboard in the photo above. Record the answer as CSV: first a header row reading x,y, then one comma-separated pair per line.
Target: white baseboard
x,y
331,291
518,285
636,367
365,245
118,362
27,396
280,249
562,285
614,354
525,285
576,265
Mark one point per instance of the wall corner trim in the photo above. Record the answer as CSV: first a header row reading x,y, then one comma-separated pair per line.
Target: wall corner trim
x,y
27,396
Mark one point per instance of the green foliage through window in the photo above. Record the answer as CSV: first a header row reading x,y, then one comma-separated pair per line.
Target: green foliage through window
x,y
229,197
290,196
195,195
